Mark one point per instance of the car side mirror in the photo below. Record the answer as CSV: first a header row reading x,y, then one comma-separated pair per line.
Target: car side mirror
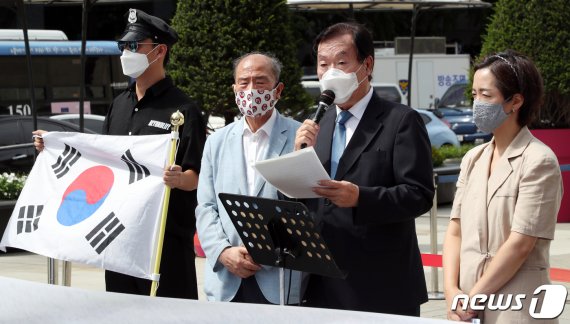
x,y
436,102
438,113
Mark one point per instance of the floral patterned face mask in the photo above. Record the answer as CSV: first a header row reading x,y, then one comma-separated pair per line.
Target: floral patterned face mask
x,y
255,102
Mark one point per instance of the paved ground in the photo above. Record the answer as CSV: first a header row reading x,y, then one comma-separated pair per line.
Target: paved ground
x,y
27,266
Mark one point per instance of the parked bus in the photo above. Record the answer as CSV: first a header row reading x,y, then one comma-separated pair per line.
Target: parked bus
x,y
56,72
33,34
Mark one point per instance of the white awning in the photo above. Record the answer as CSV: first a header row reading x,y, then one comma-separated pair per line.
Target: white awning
x,y
383,4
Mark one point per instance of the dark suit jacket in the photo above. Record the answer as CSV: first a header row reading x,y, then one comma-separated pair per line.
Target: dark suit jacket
x,y
389,158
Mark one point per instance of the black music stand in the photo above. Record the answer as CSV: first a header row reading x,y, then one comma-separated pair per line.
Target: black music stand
x,y
280,233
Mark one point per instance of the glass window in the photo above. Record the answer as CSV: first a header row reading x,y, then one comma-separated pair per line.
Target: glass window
x,y
52,126
455,97
65,92
425,118
92,124
17,70
42,124
94,92
20,94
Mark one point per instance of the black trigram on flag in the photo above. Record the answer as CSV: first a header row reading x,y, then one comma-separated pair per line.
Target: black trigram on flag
x,y
104,233
69,156
28,218
138,171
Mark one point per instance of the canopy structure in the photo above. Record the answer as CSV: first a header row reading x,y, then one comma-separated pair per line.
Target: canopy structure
x,y
77,2
387,5
382,4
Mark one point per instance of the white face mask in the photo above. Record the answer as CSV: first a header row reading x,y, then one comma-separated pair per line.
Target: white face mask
x,y
255,102
134,64
341,83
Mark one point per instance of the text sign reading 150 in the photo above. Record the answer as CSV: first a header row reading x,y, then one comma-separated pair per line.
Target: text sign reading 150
x,y
23,110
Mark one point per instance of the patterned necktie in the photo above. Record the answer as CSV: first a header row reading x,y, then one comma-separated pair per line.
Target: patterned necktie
x,y
339,140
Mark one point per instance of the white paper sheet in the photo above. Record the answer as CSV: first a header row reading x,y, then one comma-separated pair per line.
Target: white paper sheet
x,y
294,174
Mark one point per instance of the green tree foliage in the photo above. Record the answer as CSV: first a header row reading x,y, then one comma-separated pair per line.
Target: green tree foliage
x,y
215,32
541,30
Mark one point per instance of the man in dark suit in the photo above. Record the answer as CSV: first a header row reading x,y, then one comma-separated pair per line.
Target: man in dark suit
x,y
379,155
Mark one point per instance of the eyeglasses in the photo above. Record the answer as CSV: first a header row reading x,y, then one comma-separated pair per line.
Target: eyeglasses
x,y
131,45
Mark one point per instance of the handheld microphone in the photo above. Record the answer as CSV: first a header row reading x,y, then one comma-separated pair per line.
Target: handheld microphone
x,y
325,100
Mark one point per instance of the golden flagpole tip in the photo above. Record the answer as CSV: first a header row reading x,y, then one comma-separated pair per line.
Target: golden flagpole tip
x,y
177,119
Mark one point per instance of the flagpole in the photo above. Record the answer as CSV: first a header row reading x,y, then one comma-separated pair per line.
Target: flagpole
x,y
176,119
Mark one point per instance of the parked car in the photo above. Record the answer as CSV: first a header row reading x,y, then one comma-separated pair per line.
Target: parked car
x,y
461,123
439,132
454,97
455,108
90,121
95,122
16,145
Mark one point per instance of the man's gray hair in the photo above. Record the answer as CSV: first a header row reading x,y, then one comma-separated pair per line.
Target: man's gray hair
x,y
276,65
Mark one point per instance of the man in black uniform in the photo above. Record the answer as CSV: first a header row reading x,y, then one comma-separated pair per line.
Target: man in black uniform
x,y
144,108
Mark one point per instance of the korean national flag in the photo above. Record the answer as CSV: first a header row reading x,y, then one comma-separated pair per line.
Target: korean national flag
x,y
93,199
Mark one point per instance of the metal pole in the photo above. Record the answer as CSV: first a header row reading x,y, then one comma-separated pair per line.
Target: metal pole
x,y
52,271
29,63
66,274
85,15
415,11
282,285
435,293
177,120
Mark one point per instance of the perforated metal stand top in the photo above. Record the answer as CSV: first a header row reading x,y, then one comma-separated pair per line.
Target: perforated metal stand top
x,y
280,233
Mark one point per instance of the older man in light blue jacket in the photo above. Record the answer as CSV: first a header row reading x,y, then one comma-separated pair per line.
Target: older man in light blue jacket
x,y
227,167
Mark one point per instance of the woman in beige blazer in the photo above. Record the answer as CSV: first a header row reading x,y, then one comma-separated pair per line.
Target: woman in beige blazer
x,y
508,196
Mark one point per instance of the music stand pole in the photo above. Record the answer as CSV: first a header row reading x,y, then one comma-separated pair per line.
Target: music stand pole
x,y
281,252
282,286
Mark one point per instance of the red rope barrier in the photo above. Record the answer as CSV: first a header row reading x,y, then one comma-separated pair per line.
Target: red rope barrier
x,y
435,260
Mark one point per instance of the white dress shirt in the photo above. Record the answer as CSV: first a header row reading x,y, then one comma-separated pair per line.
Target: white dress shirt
x,y
255,147
357,111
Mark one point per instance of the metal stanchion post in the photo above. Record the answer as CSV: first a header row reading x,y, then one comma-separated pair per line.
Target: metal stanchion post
x,y
435,293
52,271
66,274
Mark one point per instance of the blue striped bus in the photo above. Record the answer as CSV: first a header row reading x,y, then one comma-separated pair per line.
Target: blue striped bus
x,y
56,74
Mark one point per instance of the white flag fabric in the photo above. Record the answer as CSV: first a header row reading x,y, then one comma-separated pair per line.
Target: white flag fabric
x,y
93,199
